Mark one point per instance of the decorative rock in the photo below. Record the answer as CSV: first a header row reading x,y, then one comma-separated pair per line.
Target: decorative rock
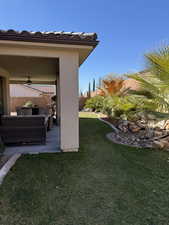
x,y
123,128
134,128
158,144
149,133
133,138
167,139
166,143
138,134
125,122
158,133
157,128
141,125
163,143
167,127
118,137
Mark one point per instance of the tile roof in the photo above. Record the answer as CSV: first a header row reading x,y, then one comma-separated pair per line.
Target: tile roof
x,y
132,84
23,90
46,89
56,37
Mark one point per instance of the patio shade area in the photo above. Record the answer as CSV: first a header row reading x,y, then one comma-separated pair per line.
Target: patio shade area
x,y
41,71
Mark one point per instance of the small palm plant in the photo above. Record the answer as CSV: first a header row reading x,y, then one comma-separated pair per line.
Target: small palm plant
x,y
154,85
115,103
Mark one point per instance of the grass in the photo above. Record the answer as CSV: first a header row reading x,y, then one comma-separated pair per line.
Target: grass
x,y
102,184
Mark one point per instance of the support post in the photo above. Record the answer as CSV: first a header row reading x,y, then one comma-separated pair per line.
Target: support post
x,y
69,101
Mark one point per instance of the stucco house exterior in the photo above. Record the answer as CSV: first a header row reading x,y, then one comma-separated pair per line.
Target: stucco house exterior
x,y
48,58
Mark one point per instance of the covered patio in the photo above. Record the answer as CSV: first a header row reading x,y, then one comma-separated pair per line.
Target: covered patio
x,y
47,58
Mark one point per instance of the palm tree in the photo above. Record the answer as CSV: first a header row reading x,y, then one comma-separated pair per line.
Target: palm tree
x,y
154,86
111,86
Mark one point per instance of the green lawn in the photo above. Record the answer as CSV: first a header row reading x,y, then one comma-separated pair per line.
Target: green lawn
x,y
102,184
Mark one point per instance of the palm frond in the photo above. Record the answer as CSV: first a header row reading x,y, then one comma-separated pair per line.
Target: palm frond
x,y
159,63
145,84
159,115
143,92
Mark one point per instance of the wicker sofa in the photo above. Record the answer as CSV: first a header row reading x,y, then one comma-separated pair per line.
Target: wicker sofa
x,y
24,129
41,111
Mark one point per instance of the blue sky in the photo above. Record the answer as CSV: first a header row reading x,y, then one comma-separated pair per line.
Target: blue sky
x,y
126,28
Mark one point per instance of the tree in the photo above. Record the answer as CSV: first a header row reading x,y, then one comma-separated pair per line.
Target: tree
x,y
155,85
89,91
111,86
95,103
94,85
81,94
100,82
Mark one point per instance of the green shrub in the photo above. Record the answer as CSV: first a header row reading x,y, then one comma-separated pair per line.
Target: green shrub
x,y
116,107
125,107
118,112
108,106
95,103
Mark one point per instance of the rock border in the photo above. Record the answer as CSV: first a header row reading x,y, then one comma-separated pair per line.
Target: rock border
x,y
7,166
110,124
110,138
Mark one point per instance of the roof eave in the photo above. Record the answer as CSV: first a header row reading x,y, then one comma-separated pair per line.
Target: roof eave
x,y
48,40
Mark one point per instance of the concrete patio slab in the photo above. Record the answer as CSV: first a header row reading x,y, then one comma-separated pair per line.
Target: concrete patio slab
x,y
52,145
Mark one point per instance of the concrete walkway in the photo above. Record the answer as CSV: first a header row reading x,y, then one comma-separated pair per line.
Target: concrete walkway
x,y
51,146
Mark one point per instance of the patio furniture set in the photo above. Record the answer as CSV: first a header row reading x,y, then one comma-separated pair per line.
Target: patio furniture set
x,y
27,127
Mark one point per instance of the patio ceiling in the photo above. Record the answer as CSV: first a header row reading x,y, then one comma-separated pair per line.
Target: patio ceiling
x,y
41,70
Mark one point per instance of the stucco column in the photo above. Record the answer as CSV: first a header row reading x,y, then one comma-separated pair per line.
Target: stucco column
x,y
69,105
6,91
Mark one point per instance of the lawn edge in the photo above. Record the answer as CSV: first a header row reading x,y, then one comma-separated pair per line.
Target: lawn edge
x,y
110,124
8,165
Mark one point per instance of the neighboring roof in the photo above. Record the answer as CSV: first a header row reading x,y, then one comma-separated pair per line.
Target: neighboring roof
x,y
131,83
22,90
46,89
55,37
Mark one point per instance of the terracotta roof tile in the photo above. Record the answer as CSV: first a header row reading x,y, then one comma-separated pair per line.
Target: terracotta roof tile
x,y
132,84
63,37
22,90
